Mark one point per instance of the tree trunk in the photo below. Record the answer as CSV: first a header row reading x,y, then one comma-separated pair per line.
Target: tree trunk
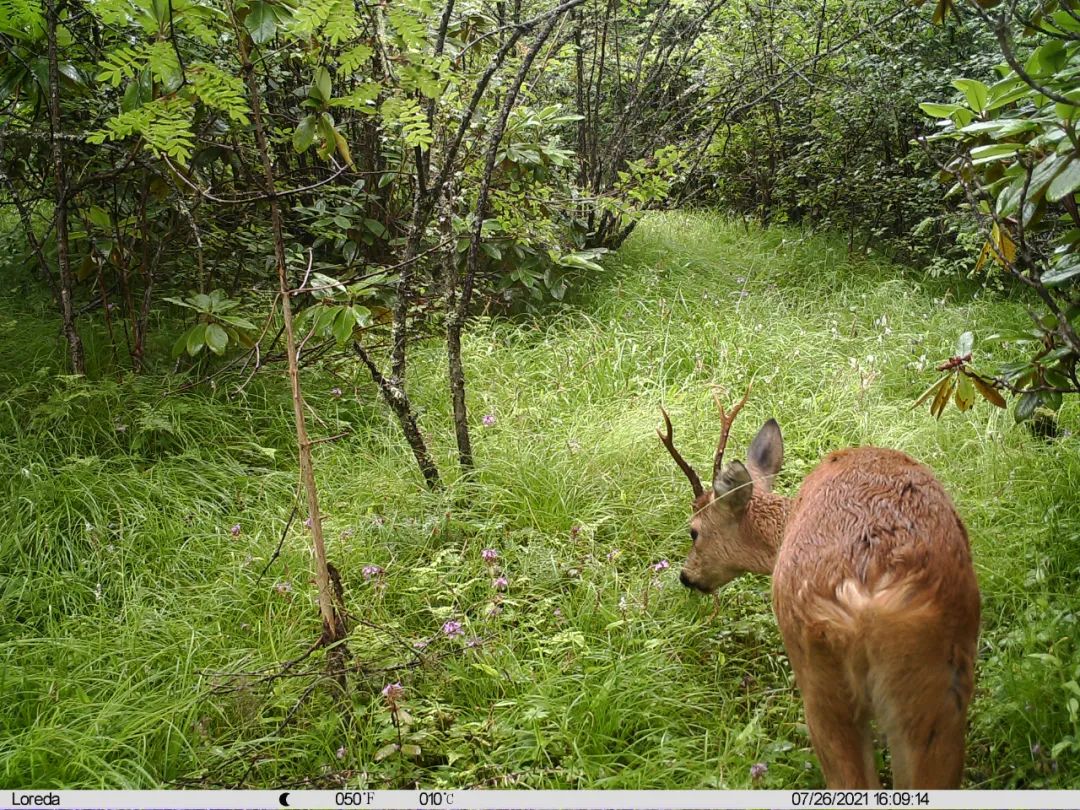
x,y
454,325
67,311
395,397
333,627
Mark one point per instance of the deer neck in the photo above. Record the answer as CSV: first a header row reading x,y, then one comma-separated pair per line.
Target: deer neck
x,y
763,530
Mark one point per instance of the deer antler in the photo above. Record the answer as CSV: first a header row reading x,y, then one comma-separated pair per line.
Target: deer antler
x,y
726,420
669,443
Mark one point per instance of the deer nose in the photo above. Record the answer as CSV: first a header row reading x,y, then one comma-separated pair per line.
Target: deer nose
x,y
685,580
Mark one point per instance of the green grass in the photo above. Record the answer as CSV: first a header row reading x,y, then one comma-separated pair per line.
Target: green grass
x,y
127,603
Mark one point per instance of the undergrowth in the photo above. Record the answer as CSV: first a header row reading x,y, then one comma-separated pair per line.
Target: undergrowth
x,y
140,518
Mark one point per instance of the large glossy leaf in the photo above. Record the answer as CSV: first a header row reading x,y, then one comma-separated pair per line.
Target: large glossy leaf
x,y
196,338
216,338
1062,272
1066,182
261,22
974,91
304,133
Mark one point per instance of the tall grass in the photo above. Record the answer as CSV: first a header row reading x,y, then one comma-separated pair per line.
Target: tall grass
x,y
127,599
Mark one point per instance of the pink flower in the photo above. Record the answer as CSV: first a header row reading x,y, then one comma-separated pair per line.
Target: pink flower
x,y
283,587
452,628
420,645
393,692
235,530
474,642
758,770
489,555
488,420
613,554
307,522
371,571
500,584
335,392
663,565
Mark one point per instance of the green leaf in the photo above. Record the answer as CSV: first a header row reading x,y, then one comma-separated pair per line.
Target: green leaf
x,y
239,323
322,85
216,338
939,110
964,344
1062,273
1066,182
325,287
343,325
304,134
196,337
1026,405
1047,59
326,130
965,393
100,217
1006,92
180,345
326,319
261,22
375,227
994,151
360,314
974,91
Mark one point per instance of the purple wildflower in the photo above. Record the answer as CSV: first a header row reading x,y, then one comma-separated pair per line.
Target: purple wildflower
x,y
474,642
393,692
613,554
235,530
371,571
308,522
488,420
489,555
420,645
452,628
758,770
283,587
500,584
663,565
335,392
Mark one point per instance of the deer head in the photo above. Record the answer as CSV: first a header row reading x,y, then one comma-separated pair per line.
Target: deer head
x,y
736,525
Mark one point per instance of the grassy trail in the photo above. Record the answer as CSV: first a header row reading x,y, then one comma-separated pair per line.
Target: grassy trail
x,y
128,597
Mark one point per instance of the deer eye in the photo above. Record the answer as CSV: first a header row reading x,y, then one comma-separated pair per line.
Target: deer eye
x,y
693,535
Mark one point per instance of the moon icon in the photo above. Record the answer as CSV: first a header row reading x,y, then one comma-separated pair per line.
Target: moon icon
x,y
284,799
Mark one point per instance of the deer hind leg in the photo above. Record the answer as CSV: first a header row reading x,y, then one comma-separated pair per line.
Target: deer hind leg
x,y
839,721
925,719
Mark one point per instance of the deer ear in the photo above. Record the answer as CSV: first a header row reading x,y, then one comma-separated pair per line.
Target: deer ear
x,y
734,487
766,455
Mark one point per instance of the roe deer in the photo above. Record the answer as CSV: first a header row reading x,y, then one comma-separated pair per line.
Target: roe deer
x,y
873,589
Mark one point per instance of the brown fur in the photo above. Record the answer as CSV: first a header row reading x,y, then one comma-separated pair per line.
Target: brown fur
x,y
875,595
